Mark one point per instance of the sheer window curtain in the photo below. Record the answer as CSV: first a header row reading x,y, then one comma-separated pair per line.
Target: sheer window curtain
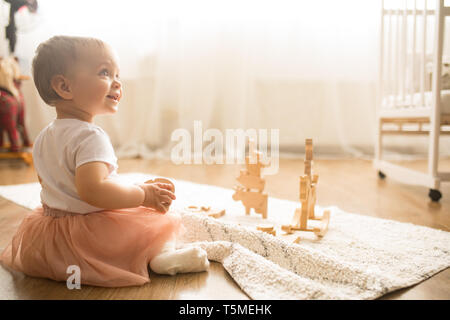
x,y
308,68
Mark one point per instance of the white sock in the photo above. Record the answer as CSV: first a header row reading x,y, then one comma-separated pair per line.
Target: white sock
x,y
191,259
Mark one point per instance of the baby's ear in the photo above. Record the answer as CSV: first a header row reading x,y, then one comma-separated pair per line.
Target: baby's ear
x,y
62,87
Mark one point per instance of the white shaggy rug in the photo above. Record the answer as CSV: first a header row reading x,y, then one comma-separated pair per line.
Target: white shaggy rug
x,y
359,258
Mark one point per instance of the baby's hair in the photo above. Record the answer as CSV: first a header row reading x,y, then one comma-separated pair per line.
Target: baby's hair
x,y
54,57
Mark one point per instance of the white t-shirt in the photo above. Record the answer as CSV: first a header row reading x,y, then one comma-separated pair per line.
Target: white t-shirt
x,y
59,149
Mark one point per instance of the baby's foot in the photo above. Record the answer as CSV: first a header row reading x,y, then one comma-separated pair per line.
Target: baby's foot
x,y
194,259
191,259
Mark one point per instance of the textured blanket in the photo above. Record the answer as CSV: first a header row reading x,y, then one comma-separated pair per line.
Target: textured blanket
x,y
359,258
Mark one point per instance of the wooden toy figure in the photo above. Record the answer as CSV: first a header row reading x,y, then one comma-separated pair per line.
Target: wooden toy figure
x,y
308,183
210,211
251,194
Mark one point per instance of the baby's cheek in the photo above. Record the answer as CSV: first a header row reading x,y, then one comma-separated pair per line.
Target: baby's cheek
x,y
98,89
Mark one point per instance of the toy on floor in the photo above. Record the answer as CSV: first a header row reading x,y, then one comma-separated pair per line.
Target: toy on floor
x,y
251,194
211,212
267,228
308,184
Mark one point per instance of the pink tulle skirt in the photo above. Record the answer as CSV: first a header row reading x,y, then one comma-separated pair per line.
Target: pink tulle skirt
x,y
112,248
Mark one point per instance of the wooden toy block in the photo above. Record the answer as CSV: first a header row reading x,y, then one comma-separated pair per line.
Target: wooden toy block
x,y
253,160
304,190
253,153
216,213
304,215
307,195
297,240
287,228
265,227
308,168
320,232
308,149
194,208
296,219
211,212
250,181
311,214
290,229
312,203
250,178
253,168
251,199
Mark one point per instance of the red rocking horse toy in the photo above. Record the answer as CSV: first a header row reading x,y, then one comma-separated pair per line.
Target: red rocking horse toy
x,y
12,108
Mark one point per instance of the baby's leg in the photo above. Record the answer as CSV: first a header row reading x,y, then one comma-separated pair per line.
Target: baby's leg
x,y
172,261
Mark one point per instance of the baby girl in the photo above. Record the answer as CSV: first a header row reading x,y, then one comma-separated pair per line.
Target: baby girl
x,y
110,230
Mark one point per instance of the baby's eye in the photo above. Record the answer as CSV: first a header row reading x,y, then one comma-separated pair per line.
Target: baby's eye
x,y
104,72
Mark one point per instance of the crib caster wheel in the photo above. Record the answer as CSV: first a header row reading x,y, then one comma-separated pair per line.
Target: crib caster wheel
x,y
435,195
381,175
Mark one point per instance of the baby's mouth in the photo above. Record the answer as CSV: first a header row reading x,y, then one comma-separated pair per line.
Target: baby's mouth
x,y
115,98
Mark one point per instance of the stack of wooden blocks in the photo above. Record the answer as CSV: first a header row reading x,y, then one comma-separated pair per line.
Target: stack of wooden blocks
x,y
251,194
308,183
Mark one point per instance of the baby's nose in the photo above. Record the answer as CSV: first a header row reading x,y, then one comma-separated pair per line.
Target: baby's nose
x,y
117,84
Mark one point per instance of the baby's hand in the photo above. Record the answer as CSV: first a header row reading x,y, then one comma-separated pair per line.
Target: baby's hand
x,y
158,196
163,181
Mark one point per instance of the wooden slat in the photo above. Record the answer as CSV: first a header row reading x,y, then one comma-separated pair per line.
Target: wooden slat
x,y
389,67
445,119
411,12
403,49
424,53
381,84
406,120
397,54
405,112
444,176
413,55
381,60
410,132
446,11
435,117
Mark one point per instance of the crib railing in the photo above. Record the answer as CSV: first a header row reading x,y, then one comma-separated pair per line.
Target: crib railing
x,y
410,68
408,54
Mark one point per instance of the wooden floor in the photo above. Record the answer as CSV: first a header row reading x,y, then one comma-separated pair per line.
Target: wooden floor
x,y
351,185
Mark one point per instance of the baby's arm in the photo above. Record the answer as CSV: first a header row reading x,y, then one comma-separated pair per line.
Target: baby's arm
x,y
94,187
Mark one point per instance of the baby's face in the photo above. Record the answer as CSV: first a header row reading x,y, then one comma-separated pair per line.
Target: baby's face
x,y
95,81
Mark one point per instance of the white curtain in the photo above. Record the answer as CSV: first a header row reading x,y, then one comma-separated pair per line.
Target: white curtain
x,y
307,68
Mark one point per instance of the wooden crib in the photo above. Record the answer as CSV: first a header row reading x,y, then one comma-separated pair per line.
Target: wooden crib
x,y
411,98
